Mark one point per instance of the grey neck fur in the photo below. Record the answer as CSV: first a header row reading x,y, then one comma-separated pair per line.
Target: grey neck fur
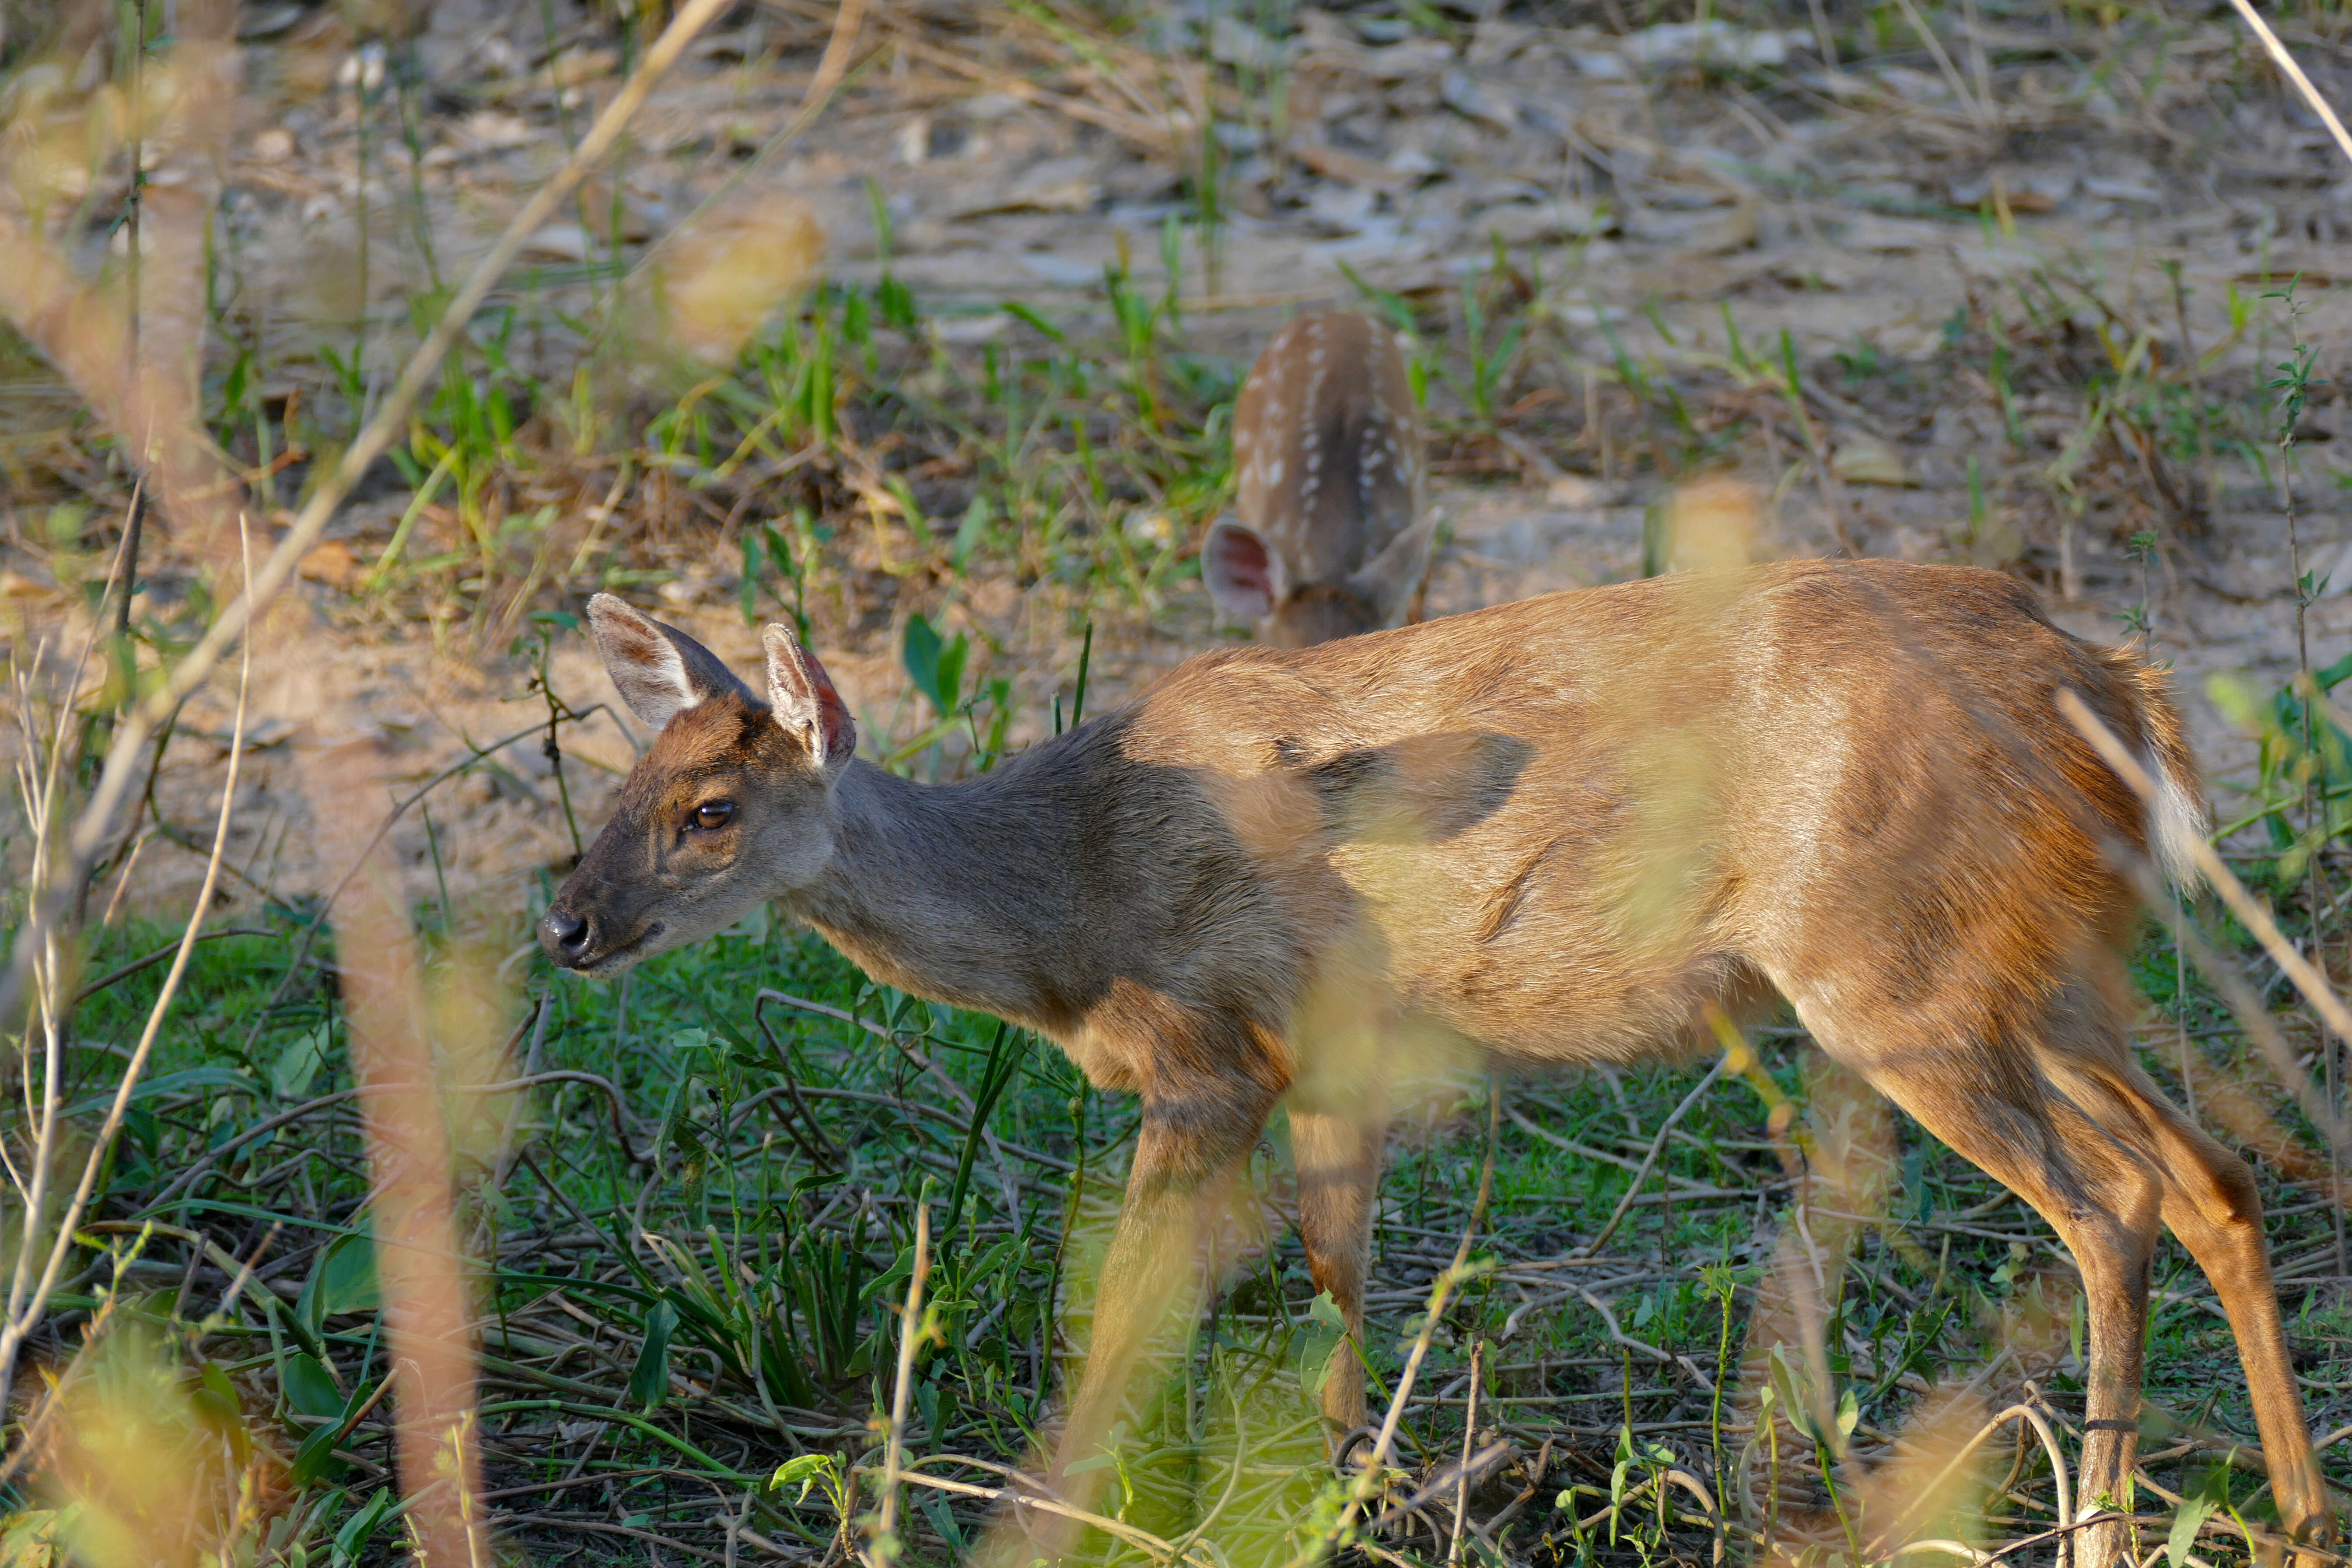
x,y
926,886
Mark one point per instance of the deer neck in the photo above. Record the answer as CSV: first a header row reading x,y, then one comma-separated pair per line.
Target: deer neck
x,y
957,892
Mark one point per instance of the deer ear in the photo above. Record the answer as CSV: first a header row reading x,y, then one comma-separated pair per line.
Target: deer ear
x,y
1387,581
1245,575
660,671
801,696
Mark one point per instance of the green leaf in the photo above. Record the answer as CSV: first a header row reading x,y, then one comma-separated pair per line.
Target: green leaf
x,y
2194,1510
28,1539
1848,1413
315,1459
1794,1407
1319,1345
216,1403
973,528
309,1388
808,1470
746,586
171,1083
354,1536
650,1380
950,672
1015,309
936,668
935,1508
343,1280
921,654
897,303
291,1074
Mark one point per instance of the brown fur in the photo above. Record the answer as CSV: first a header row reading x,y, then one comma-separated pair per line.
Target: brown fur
x,y
1548,833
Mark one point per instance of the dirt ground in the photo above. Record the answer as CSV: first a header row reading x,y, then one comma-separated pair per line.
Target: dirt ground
x,y
1656,185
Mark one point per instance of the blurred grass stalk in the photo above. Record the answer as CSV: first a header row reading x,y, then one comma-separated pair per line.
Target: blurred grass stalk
x,y
40,776
414,1215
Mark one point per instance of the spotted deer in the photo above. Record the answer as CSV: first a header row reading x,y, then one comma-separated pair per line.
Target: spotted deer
x,y
1331,539
1579,829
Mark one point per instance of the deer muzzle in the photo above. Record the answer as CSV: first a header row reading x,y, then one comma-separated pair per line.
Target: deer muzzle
x,y
580,939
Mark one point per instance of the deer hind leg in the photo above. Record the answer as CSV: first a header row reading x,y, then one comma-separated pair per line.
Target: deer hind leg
x,y
1338,1152
1995,1110
2212,1204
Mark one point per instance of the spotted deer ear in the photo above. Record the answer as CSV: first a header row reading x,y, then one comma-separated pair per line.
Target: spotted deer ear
x,y
1243,573
660,671
801,696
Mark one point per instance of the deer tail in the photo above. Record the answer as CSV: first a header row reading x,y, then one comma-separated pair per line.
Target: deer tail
x,y
2177,821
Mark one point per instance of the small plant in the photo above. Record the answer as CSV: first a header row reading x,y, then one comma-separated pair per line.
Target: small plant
x,y
2141,548
935,668
1492,344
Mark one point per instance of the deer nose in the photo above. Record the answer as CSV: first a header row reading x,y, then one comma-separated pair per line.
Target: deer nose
x,y
569,933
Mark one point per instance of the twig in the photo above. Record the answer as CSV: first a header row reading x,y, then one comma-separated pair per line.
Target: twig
x,y
1587,1152
571,1522
2293,74
1472,1468
503,1160
1053,1505
212,1157
1618,1335
831,67
910,1335
1469,1436
1641,1173
158,956
1981,111
2025,1413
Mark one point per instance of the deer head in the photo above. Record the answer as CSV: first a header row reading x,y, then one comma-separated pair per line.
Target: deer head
x,y
731,804
1250,579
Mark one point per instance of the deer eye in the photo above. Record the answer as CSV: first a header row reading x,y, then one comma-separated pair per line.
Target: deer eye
x,y
712,815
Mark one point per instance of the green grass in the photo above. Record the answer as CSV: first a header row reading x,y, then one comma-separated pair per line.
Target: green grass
x,y
766,1230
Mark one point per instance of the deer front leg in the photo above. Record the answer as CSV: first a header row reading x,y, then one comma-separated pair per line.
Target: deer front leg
x,y
1190,1148
1338,1159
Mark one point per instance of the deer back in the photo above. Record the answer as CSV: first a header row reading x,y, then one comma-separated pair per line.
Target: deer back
x,y
1558,828
1329,537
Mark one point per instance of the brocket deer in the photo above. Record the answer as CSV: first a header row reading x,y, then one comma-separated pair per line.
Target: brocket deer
x,y
1557,831
1331,539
